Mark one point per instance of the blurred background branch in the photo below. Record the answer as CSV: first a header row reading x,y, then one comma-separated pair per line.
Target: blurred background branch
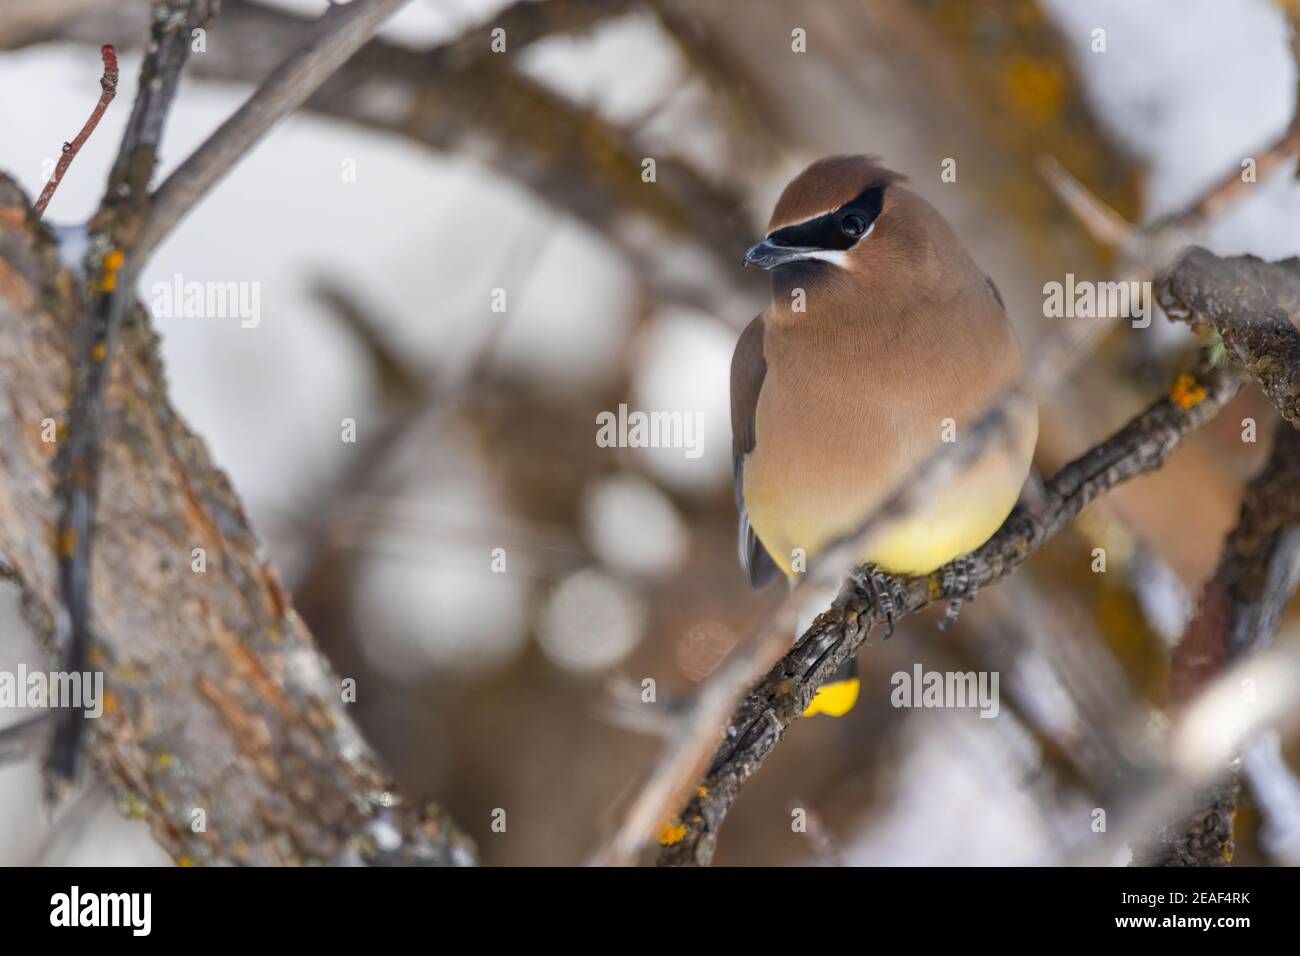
x,y
1237,615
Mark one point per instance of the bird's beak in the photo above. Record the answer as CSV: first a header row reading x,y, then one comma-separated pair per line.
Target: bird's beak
x,y
768,254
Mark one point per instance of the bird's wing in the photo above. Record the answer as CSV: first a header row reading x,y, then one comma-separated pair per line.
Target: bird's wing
x,y
748,367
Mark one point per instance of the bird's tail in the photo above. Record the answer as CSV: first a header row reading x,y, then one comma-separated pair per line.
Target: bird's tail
x,y
836,697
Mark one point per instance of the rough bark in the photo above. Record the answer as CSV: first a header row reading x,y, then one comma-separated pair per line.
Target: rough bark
x,y
216,697
1253,306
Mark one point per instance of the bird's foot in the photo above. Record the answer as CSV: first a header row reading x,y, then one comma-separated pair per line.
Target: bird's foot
x,y
884,590
959,585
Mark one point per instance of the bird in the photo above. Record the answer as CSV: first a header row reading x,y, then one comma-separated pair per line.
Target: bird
x,y
882,339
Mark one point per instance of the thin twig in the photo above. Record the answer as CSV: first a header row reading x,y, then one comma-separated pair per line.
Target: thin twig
x,y
22,740
339,33
131,224
108,87
1146,250
1100,221
460,94
110,271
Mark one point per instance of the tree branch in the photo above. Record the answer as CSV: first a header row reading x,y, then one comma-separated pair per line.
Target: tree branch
x,y
760,723
1238,614
461,96
1249,303
334,38
1198,285
111,267
216,699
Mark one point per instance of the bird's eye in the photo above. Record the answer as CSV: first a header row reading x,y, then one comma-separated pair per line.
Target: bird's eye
x,y
853,225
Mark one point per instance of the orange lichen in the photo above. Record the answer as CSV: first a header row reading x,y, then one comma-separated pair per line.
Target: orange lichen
x,y
1036,86
671,832
1186,391
108,271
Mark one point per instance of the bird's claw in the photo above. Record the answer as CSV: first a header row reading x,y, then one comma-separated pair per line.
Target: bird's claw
x,y
958,585
883,589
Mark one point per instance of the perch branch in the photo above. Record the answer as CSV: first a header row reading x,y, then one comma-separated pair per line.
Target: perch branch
x,y
685,757
1140,447
733,763
1142,250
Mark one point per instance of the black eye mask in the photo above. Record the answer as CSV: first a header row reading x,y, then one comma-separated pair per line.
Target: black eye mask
x,y
835,230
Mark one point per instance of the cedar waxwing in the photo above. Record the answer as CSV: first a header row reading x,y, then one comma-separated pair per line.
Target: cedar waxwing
x,y
882,336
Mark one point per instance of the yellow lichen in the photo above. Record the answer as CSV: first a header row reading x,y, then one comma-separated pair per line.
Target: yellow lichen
x,y
1186,391
108,271
671,832
1037,86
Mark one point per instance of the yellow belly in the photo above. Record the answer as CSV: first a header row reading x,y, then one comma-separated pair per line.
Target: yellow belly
x,y
955,525
797,513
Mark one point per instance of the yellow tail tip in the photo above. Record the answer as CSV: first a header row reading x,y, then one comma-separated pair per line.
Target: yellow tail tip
x,y
834,699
